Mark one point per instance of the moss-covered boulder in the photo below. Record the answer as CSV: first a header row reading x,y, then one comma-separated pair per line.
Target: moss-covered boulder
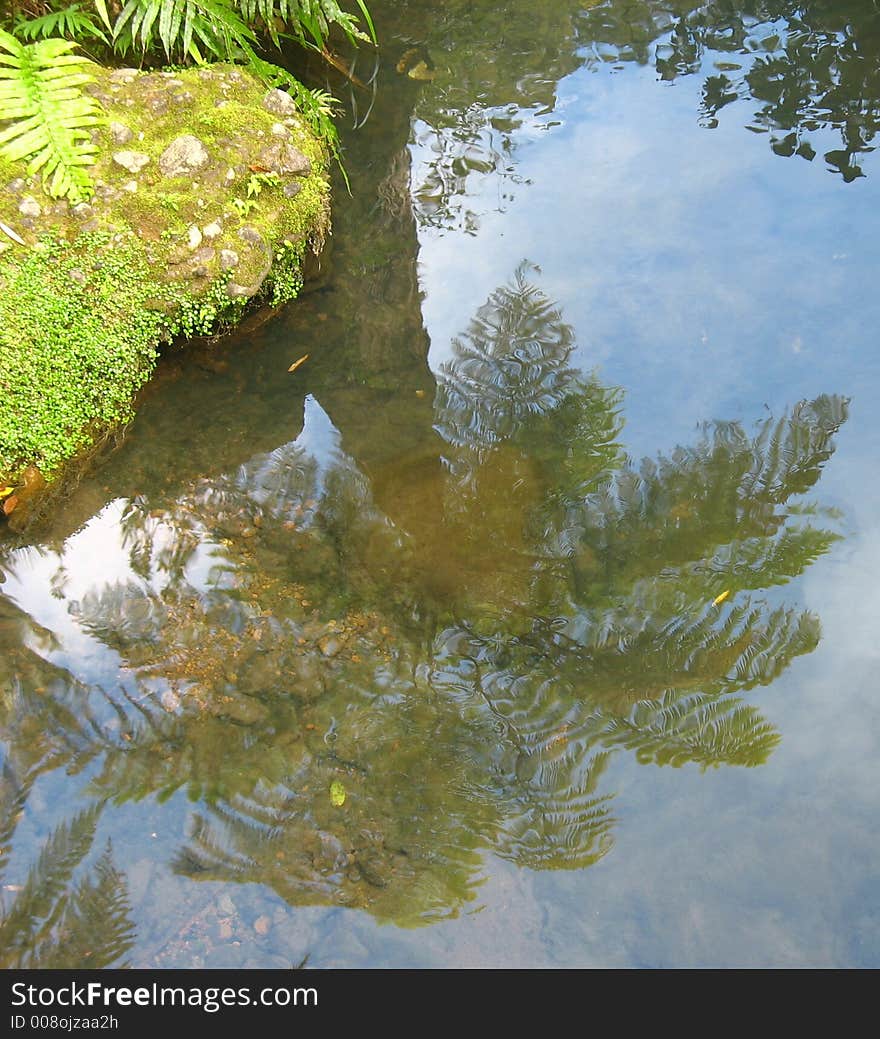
x,y
209,192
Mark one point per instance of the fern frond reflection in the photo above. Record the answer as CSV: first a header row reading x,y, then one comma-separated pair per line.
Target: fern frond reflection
x,y
58,921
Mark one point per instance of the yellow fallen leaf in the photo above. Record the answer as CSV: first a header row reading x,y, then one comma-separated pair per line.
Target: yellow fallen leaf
x,y
6,491
719,599
337,794
296,364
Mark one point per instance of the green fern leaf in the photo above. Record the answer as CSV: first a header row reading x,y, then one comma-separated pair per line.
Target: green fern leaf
x,y
48,114
181,25
70,22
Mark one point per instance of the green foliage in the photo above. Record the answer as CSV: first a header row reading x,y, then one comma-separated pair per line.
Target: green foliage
x,y
193,29
243,206
197,316
286,274
181,31
309,21
200,30
50,117
258,181
72,23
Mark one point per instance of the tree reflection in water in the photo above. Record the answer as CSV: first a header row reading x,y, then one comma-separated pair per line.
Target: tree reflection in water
x,y
806,75
468,671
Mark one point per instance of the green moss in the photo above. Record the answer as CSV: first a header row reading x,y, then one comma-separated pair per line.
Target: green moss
x,y
83,312
76,342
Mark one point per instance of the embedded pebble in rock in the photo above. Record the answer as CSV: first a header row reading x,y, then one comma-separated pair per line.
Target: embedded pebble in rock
x,y
280,130
29,207
224,930
16,185
225,904
205,254
291,190
278,102
124,75
134,162
230,175
253,237
130,186
83,211
284,159
236,291
78,276
212,230
194,237
120,133
262,924
228,259
185,154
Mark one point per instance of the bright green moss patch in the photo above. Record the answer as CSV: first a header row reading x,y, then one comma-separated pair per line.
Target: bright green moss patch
x,y
76,343
156,253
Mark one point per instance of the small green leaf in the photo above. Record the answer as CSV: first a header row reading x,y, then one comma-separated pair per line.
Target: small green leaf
x,y
337,794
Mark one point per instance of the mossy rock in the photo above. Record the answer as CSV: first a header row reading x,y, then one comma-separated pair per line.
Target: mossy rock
x,y
210,191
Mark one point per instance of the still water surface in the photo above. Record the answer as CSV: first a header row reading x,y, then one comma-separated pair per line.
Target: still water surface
x,y
558,556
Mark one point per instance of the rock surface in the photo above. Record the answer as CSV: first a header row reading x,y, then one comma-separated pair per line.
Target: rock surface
x,y
203,176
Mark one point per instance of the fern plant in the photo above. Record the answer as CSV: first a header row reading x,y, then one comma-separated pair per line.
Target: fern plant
x,y
198,30
309,21
49,116
72,23
191,29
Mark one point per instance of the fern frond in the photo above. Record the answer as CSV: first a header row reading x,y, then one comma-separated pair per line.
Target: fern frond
x,y
70,22
181,26
317,106
49,115
309,21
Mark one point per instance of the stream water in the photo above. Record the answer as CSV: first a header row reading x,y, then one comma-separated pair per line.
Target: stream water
x,y
555,562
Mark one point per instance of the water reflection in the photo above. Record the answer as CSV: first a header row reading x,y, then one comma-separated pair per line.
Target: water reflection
x,y
803,74
464,643
810,67
62,915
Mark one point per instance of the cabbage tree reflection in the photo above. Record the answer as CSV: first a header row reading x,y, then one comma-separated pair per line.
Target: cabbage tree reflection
x,y
466,669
